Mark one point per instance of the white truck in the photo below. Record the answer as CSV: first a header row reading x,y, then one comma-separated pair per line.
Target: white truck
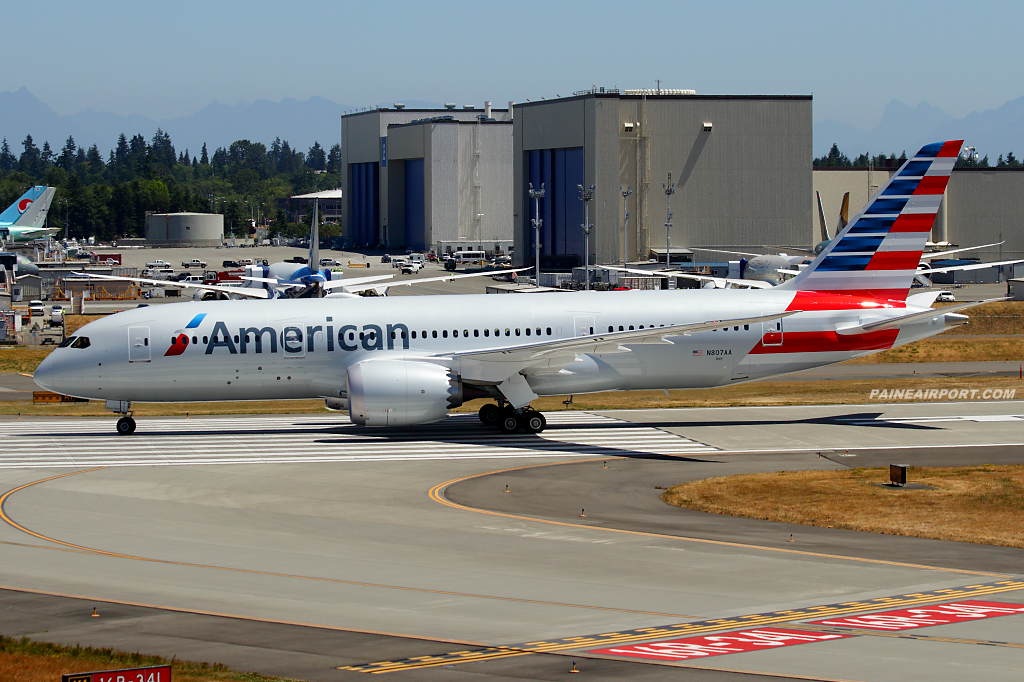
x,y
158,263
194,263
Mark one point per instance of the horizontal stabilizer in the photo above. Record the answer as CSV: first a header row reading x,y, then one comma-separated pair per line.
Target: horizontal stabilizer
x,y
897,322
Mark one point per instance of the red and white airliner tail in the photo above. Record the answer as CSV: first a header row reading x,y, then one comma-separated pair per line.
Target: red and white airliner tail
x,y
878,253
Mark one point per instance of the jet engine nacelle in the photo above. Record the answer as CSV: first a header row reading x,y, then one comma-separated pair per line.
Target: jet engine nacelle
x,y
401,393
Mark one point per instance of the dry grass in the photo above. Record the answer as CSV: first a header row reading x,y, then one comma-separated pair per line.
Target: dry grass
x,y
981,504
27,661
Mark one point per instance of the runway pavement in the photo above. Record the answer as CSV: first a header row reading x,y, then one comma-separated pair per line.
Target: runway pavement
x,y
339,531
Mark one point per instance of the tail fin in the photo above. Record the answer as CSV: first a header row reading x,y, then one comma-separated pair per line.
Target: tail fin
x,y
877,254
34,215
844,214
15,210
822,224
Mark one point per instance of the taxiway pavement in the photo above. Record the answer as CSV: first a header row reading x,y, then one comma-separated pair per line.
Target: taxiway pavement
x,y
318,534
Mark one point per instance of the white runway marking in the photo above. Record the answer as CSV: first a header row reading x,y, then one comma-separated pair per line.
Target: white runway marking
x,y
320,438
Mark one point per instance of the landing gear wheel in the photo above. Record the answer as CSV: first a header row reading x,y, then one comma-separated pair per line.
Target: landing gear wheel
x,y
490,414
125,426
534,422
509,422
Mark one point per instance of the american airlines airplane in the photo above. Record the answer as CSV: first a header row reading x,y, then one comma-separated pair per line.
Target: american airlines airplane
x,y
400,361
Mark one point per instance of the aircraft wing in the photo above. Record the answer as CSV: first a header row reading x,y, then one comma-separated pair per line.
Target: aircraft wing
x,y
895,322
719,282
975,266
357,285
943,254
502,365
241,291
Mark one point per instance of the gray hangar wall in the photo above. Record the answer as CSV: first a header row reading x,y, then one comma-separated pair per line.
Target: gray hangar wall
x,y
741,184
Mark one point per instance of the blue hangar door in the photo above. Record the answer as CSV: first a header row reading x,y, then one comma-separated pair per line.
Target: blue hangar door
x,y
561,172
364,188
415,206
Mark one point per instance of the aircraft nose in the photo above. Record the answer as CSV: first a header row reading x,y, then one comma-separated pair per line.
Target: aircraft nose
x,y
44,373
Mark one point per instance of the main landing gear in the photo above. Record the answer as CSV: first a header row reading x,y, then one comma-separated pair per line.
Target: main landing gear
x,y
509,420
125,425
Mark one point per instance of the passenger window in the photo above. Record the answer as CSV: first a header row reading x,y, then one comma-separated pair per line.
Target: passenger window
x,y
455,333
610,329
735,329
403,334
68,341
527,331
424,334
444,333
620,328
414,335
195,340
81,342
236,338
630,327
465,332
641,326
392,335
434,333
205,340
360,336
538,331
476,332
549,331
352,336
487,332
746,327
508,332
145,342
517,331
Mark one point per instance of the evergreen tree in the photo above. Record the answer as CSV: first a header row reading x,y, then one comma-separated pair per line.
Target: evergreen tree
x,y
334,159
46,156
204,159
67,154
8,160
316,159
29,162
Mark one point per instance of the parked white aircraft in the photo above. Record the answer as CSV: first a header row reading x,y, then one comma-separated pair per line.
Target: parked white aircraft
x,y
401,361
25,219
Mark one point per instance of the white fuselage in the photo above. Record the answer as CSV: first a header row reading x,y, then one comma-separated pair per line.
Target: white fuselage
x,y
305,346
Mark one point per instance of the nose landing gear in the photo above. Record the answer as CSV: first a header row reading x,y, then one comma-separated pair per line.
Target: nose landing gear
x,y
125,425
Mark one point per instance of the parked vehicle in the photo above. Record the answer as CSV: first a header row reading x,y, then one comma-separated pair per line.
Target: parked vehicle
x,y
329,263
296,259
194,263
192,279
56,315
385,258
230,264
35,308
411,268
158,263
946,297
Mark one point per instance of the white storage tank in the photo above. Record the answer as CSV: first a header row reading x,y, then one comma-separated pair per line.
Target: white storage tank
x,y
184,229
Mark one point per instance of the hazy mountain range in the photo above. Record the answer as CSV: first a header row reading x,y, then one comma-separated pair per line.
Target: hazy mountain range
x,y
218,125
993,132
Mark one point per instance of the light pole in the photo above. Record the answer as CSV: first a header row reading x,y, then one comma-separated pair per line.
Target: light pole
x,y
625,220
586,196
537,195
670,189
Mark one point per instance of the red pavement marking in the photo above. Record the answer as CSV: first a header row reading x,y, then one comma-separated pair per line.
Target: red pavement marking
x,y
717,645
926,616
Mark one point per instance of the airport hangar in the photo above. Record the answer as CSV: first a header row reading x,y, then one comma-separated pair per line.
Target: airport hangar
x,y
741,164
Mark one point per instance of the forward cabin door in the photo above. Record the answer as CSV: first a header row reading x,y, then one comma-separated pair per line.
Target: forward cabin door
x,y
138,344
584,325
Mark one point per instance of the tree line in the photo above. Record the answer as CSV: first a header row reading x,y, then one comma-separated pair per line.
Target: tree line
x,y
109,198
836,159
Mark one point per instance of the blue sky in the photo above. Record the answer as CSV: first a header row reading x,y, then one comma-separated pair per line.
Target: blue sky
x,y
170,59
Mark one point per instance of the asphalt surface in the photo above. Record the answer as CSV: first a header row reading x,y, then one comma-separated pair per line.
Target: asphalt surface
x,y
15,386
305,553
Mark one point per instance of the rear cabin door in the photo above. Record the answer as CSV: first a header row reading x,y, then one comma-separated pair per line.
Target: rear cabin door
x,y
771,332
138,344
584,325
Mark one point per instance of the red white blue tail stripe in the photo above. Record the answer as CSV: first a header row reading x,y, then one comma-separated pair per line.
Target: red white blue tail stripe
x,y
878,253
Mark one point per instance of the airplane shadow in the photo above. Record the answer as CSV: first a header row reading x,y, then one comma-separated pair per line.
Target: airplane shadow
x,y
867,419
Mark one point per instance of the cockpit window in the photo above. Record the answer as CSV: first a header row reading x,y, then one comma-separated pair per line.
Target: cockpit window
x,y
81,342
67,342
